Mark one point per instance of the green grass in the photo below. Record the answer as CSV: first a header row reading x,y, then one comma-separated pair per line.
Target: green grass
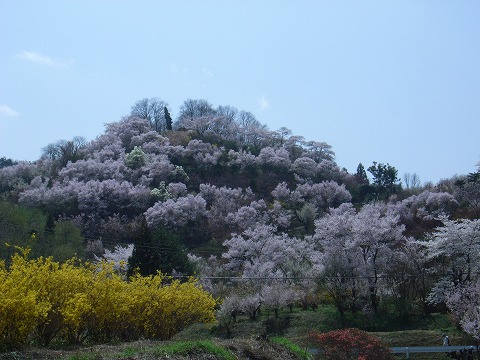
x,y
83,356
130,351
194,347
301,353
187,349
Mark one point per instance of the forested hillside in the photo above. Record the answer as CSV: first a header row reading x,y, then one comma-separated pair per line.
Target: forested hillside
x,y
217,194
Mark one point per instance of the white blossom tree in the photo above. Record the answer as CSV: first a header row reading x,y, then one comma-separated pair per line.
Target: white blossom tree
x,y
274,158
177,213
261,252
119,257
464,302
362,244
455,250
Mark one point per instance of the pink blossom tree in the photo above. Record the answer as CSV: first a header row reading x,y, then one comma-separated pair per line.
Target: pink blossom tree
x,y
274,158
261,252
366,242
119,257
126,129
178,213
454,249
464,302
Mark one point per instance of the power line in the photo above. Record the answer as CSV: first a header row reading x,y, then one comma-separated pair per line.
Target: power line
x,y
281,278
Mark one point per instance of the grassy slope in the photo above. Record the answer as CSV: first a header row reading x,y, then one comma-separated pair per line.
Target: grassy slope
x,y
202,341
425,331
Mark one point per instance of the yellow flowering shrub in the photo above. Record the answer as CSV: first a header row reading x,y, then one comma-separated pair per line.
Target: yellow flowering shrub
x,y
109,317
21,309
161,311
42,300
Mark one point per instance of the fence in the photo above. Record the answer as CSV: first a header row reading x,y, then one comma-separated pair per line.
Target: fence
x,y
467,350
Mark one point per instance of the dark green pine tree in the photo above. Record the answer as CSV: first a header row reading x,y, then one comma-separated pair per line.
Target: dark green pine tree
x,y
159,250
168,119
145,257
385,181
361,174
173,253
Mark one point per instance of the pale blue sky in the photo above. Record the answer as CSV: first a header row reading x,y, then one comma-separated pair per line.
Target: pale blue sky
x,y
395,82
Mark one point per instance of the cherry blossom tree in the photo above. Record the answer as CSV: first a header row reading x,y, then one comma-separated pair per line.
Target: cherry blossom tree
x,y
17,177
223,125
419,212
202,125
241,159
464,302
119,257
366,242
260,252
319,151
177,213
279,216
59,199
427,205
151,142
324,195
94,197
222,203
276,296
329,170
204,154
250,304
321,196
125,130
230,307
305,167
334,236
274,158
455,250
378,236
93,169
467,191
157,168
106,147
248,216
177,189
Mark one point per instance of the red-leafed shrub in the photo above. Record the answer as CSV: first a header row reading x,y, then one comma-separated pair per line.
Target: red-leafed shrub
x,y
349,344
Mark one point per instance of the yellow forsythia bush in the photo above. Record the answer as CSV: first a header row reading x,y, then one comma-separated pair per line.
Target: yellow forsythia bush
x,y
42,300
20,308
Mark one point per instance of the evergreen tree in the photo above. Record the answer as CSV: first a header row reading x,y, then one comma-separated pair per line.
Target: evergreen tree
x,y
145,257
4,162
173,255
385,180
168,118
362,189
361,174
159,250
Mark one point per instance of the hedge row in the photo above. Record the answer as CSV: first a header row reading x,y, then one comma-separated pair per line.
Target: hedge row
x,y
42,300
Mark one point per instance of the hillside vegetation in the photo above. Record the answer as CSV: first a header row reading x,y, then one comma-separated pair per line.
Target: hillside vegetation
x,y
266,221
